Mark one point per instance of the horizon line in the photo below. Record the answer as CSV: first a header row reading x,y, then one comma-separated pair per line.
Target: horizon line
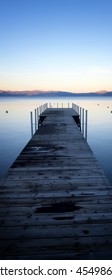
x,y
39,90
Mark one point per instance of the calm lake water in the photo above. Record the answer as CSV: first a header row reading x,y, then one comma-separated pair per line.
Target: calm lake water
x,y
15,130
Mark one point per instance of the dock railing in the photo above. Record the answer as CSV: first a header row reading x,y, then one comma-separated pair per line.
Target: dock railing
x,y
34,118
83,116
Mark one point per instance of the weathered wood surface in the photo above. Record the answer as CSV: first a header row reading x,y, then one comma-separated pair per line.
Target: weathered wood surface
x,y
55,201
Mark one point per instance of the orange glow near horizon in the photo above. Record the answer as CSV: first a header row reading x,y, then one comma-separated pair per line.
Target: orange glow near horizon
x,y
84,82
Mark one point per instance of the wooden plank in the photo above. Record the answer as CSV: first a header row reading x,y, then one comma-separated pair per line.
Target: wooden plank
x,y
60,231
56,219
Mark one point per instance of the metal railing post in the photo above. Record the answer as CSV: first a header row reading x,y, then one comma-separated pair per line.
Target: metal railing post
x,y
35,119
80,116
83,121
86,121
31,119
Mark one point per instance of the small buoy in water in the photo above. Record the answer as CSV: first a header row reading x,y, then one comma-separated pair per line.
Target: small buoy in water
x,y
107,106
111,112
98,104
6,111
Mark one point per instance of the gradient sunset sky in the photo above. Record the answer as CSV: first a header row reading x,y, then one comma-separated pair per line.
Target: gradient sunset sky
x,y
56,45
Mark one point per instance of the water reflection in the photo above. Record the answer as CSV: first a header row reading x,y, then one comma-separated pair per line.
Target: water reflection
x,y
15,127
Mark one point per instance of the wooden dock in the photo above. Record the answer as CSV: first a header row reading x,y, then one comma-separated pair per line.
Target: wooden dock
x,y
55,201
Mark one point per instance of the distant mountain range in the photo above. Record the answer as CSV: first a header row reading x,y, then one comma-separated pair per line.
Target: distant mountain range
x,y
51,94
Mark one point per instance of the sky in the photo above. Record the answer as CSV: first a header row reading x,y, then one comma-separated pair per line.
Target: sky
x,y
56,45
